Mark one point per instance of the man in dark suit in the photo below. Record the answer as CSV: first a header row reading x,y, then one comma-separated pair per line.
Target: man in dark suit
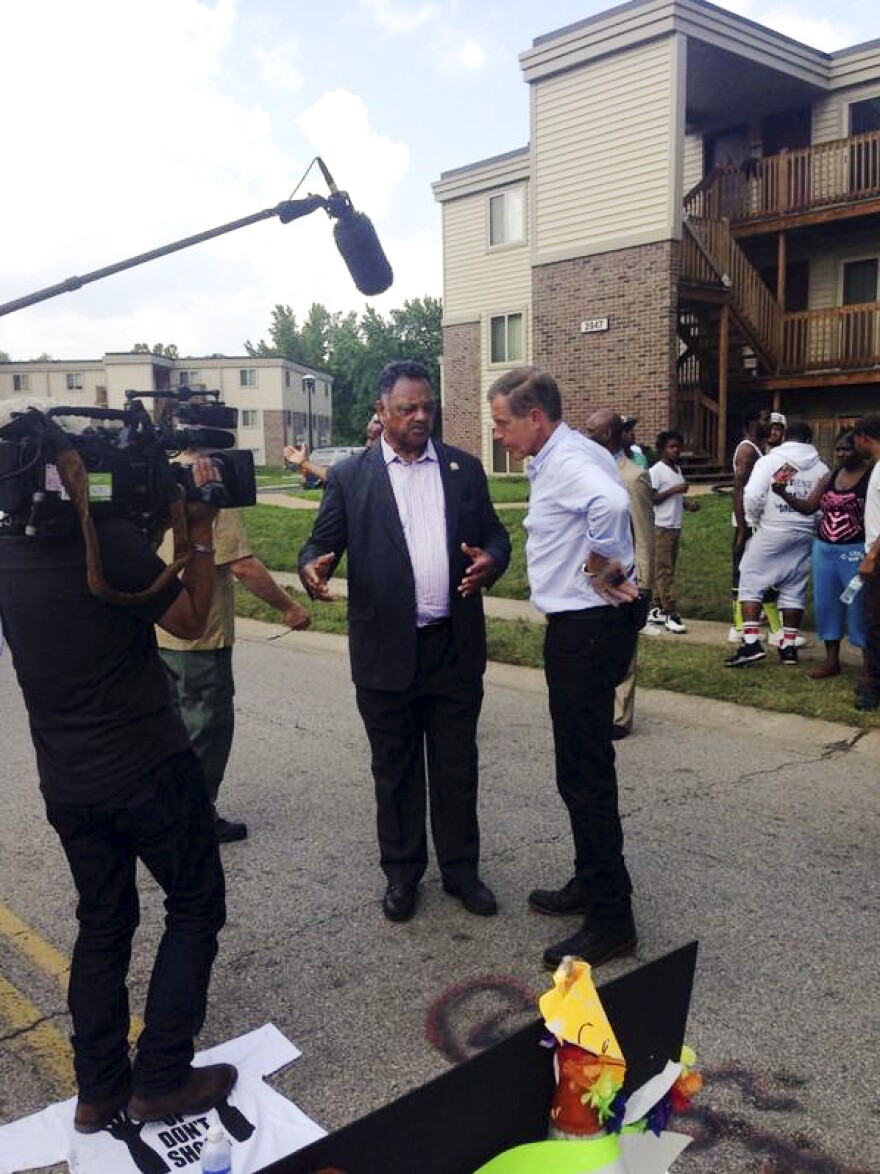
x,y
422,539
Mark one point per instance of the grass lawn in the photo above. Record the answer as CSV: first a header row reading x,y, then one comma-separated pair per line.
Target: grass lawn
x,y
702,577
663,664
703,582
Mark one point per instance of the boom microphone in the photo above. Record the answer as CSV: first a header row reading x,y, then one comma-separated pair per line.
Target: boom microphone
x,y
359,246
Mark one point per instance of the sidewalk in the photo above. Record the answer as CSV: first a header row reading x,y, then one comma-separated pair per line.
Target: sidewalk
x,y
698,631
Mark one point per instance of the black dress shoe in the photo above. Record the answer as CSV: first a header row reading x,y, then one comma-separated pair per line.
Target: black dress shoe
x,y
476,897
228,831
399,902
556,902
202,1090
595,943
93,1116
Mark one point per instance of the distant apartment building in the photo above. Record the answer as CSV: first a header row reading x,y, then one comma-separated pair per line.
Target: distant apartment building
x,y
693,228
275,398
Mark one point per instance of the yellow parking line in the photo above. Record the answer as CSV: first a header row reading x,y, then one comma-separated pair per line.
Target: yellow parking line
x,y
42,1037
34,947
46,957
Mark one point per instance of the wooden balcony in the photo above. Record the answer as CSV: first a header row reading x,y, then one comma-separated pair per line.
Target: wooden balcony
x,y
842,338
805,185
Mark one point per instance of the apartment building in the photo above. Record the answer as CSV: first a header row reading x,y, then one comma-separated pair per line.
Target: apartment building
x,y
693,228
278,402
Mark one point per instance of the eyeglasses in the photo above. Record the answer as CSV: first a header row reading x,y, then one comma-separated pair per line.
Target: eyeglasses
x,y
407,410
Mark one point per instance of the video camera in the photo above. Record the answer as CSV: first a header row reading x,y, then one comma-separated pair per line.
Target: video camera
x,y
127,459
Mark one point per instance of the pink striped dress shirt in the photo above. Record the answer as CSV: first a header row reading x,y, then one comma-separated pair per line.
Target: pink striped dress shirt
x,y
421,503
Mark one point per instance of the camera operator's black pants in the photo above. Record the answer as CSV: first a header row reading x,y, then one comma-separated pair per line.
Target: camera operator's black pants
x,y
166,823
586,654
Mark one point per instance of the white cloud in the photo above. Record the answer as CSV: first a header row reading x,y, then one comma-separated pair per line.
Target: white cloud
x,y
278,68
400,18
470,57
338,126
819,32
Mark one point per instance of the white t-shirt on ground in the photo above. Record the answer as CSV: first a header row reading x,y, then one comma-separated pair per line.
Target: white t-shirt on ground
x,y
262,1125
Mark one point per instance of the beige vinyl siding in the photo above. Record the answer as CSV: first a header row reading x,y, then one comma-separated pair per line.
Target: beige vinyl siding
x,y
604,140
831,115
693,162
826,269
478,279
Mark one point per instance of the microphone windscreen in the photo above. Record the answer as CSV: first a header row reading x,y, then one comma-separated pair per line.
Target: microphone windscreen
x,y
357,242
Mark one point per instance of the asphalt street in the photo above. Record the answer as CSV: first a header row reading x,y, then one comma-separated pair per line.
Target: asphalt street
x,y
756,834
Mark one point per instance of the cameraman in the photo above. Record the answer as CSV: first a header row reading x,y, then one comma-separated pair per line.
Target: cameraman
x,y
121,783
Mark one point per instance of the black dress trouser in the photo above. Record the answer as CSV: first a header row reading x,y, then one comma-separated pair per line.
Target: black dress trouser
x,y
586,654
426,733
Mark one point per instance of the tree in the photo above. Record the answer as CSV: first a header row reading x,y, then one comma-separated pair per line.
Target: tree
x,y
4,357
354,350
169,351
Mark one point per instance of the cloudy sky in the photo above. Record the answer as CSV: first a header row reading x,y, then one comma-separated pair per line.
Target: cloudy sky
x,y
130,125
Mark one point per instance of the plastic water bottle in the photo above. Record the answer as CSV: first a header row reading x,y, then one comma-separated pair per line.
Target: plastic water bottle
x,y
852,589
216,1156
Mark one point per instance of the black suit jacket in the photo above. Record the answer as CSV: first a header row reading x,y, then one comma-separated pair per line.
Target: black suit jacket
x,y
359,515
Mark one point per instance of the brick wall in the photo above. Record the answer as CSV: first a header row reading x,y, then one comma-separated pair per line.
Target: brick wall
x,y
630,367
461,386
274,438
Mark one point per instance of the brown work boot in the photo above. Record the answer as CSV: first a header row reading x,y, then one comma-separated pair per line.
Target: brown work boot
x,y
93,1116
202,1090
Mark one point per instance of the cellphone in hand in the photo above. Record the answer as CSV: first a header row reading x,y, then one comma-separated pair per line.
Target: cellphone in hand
x,y
784,474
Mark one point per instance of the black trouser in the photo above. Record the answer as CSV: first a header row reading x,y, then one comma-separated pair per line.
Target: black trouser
x,y
586,654
434,721
167,823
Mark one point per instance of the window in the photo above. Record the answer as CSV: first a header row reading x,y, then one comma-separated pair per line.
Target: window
x,y
506,338
864,116
859,336
250,418
247,377
74,381
189,378
860,281
287,379
502,461
507,220
20,382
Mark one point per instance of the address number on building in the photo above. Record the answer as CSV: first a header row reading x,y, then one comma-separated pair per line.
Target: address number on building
x,y
594,325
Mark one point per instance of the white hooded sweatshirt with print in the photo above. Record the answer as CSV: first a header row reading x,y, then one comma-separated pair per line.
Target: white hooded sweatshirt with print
x,y
767,509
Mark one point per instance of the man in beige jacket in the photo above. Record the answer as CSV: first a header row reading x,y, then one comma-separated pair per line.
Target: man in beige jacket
x,y
605,427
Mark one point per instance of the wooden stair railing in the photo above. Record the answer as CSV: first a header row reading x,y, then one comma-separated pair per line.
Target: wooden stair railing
x,y
710,254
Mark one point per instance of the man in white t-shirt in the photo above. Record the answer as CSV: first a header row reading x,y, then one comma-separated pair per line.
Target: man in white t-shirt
x,y
669,505
867,439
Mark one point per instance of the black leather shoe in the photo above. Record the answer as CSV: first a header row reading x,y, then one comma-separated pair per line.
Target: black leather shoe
x,y
476,897
595,943
556,902
399,902
202,1090
867,698
93,1116
228,831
